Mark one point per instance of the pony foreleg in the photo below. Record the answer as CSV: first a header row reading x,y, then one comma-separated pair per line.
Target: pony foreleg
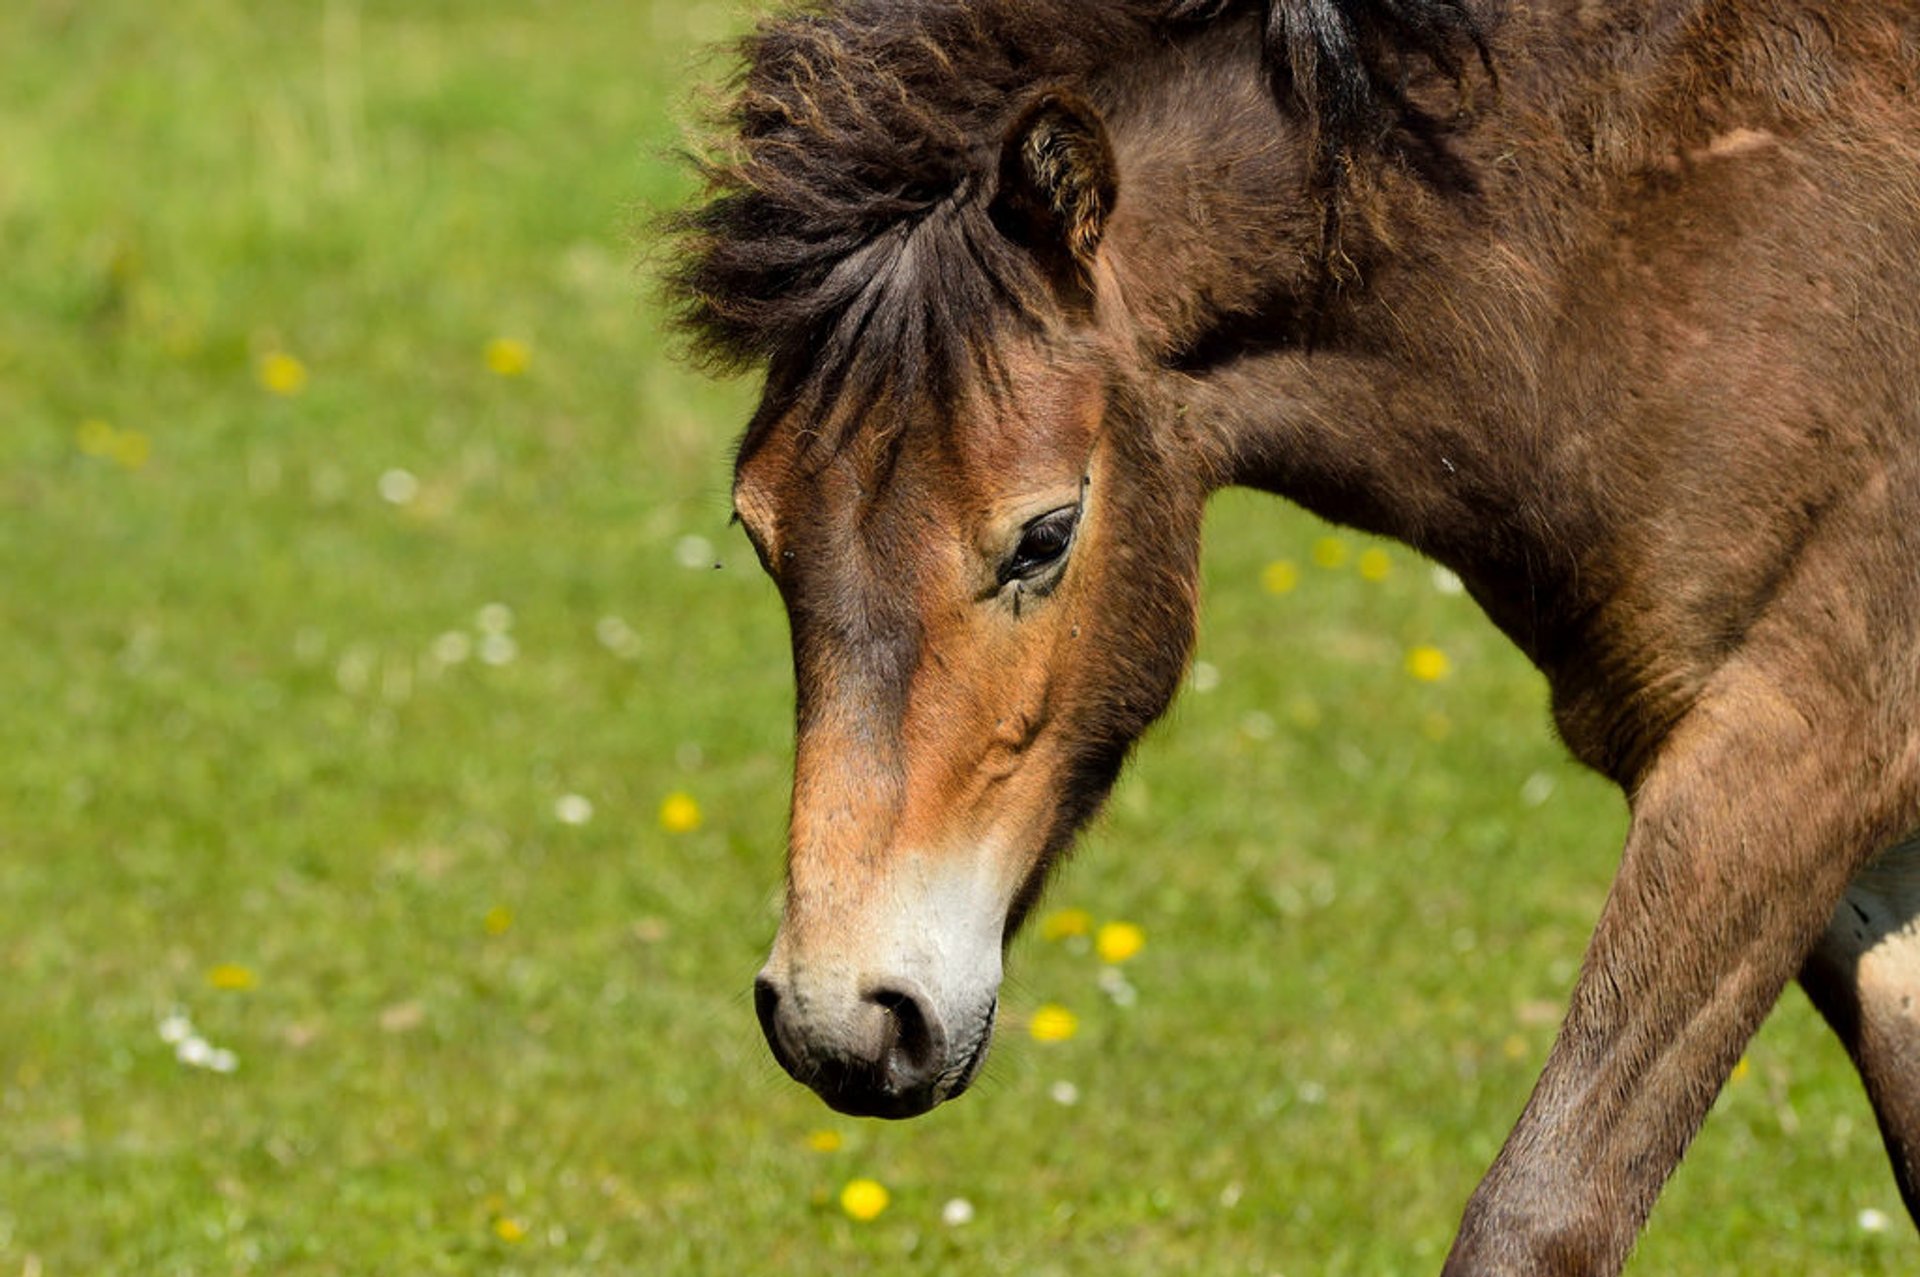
x,y
1743,837
1864,975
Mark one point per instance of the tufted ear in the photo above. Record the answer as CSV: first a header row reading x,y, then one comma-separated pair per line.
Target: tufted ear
x,y
1057,183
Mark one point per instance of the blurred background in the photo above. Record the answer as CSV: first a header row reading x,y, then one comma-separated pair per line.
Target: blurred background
x,y
394,745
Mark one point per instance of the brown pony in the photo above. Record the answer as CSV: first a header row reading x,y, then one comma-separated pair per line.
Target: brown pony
x,y
1614,309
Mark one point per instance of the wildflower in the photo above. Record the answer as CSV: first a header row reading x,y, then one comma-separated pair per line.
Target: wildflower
x,y
1374,565
1118,941
1330,553
1445,582
679,813
509,1230
824,1141
452,648
957,1212
1053,1023
95,437
498,649
1205,677
693,551
497,920
1872,1221
176,1028
282,374
1064,1093
399,487
231,976
1063,923
572,809
864,1199
508,357
1428,664
131,449
494,618
1279,577
1741,1069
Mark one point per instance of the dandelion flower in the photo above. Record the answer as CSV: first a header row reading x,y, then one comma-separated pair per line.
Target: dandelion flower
x,y
509,1230
957,1213
1872,1221
1279,577
824,1141
497,920
95,437
1053,1023
864,1199
1428,664
1118,941
1741,1069
1330,553
1374,565
573,809
1064,923
679,813
508,357
232,976
282,374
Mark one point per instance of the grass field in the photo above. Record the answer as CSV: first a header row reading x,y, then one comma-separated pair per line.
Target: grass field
x,y
370,701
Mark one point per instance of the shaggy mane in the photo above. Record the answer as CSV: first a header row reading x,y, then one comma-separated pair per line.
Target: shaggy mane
x,y
847,187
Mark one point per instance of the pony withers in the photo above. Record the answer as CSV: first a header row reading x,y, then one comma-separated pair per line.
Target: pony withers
x,y
1610,309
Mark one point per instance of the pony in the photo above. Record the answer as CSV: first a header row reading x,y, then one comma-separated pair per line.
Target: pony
x,y
1610,309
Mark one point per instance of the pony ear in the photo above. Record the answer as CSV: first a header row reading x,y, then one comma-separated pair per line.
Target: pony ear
x,y
1057,182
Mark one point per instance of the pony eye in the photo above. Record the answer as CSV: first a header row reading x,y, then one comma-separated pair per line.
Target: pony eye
x,y
1041,544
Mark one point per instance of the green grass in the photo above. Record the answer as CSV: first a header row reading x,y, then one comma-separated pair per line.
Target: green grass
x,y
479,1038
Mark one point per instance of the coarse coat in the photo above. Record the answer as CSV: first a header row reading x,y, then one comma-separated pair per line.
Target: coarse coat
x,y
1612,309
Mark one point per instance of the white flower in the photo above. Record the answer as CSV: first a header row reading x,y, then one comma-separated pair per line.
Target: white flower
x,y
176,1028
572,809
957,1212
494,618
1872,1221
498,649
1064,1093
194,1050
452,648
398,487
693,551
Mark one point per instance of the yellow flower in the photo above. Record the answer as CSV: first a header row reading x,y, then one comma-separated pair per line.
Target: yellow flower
x,y
1279,576
283,374
95,437
1374,565
1330,553
864,1199
679,813
131,449
824,1141
1053,1023
497,920
1118,941
509,1230
507,357
231,975
1428,664
1741,1069
1062,923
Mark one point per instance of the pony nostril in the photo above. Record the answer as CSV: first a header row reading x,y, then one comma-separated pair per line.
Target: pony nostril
x,y
766,1005
913,1043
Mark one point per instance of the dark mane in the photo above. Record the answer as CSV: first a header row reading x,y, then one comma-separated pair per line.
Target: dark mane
x,y
847,192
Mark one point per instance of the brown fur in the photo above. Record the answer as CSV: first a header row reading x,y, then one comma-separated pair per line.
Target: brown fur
x,y
1629,342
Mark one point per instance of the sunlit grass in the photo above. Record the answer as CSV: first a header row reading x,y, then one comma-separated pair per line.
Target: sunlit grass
x,y
376,719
